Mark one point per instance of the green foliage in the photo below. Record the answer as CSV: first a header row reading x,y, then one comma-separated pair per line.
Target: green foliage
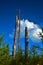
x,y
4,52
33,57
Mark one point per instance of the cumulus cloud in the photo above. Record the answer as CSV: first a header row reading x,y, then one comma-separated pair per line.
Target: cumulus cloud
x,y
33,29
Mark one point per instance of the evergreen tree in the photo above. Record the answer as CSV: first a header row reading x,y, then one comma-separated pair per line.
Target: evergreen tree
x,y
4,52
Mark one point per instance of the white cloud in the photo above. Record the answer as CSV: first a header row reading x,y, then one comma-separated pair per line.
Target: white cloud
x,y
34,34
33,29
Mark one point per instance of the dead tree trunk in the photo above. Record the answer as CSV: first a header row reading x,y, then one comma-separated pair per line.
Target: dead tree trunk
x,y
26,44
14,45
19,30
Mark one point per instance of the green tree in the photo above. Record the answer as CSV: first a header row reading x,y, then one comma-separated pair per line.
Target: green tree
x,y
4,52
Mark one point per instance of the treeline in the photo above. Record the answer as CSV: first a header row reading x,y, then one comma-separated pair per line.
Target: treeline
x,y
35,55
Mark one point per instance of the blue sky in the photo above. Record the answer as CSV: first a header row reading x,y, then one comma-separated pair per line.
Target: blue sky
x,y
31,10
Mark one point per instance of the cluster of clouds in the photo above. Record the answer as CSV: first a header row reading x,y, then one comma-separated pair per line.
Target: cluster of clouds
x,y
33,30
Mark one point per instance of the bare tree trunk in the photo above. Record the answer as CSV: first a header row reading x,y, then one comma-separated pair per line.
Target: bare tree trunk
x,y
26,44
14,45
19,30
